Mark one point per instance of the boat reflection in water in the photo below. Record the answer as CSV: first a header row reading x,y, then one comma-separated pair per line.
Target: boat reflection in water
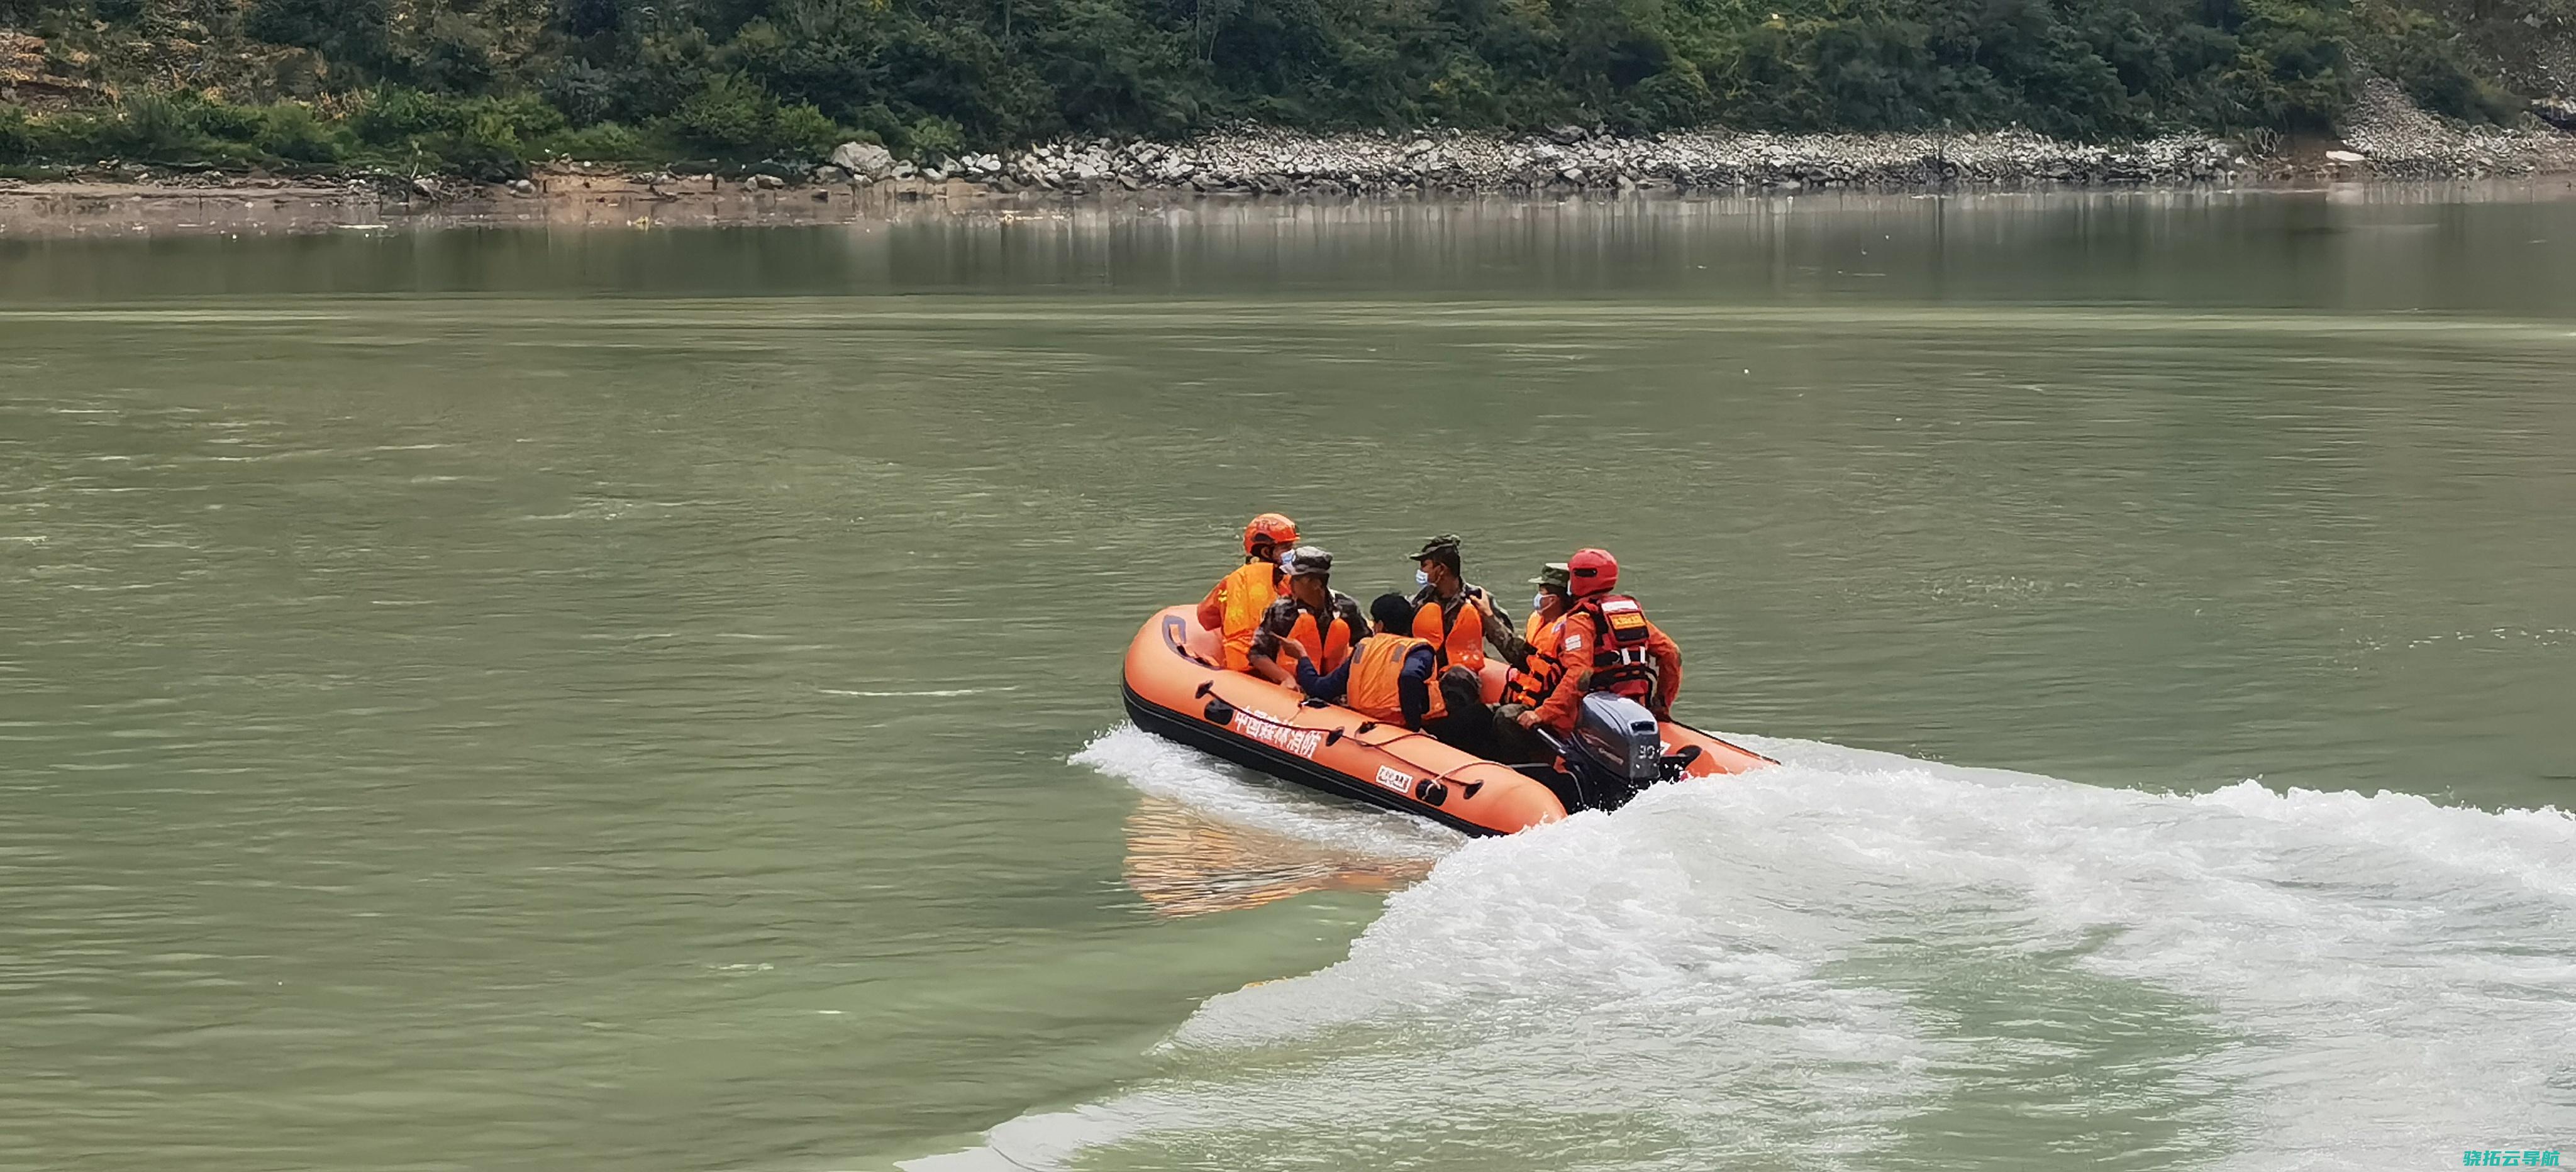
x,y
1185,863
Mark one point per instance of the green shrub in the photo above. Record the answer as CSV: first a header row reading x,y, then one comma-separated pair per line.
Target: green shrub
x,y
605,142
729,116
489,147
398,115
733,117
928,137
17,136
528,117
487,138
290,131
1677,96
154,126
73,137
223,121
807,133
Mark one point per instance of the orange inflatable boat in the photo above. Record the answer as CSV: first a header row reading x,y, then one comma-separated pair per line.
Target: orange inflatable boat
x,y
1176,689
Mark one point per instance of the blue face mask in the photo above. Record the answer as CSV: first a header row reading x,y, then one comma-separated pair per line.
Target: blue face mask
x,y
1538,602
1422,577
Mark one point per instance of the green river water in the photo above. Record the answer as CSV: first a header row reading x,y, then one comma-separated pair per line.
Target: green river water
x,y
494,699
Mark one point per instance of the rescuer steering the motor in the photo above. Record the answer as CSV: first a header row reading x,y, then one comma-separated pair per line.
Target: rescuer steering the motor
x,y
1606,644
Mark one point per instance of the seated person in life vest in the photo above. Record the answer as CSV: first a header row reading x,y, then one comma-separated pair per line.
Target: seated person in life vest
x,y
1312,621
1234,606
1535,669
1458,618
1605,644
1388,678
1550,603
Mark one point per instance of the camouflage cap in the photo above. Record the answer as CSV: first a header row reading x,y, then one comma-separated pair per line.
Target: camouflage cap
x,y
1306,559
1445,545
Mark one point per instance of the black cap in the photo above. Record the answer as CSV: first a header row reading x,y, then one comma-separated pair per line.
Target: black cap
x,y
1393,610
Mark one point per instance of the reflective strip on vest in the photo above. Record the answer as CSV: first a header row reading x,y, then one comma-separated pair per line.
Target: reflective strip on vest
x,y
1619,660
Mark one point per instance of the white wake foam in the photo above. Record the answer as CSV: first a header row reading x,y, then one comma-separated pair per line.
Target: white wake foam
x,y
1857,960
1240,796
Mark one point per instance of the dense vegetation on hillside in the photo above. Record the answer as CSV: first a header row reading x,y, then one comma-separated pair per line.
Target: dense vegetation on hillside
x,y
484,84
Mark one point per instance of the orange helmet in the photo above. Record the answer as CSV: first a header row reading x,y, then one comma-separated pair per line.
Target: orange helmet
x,y
1268,529
1593,571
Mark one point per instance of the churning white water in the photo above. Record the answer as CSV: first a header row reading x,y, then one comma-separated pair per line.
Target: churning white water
x,y
1166,770
1861,960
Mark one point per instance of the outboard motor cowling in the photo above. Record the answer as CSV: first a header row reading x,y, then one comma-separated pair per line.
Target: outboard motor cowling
x,y
1620,739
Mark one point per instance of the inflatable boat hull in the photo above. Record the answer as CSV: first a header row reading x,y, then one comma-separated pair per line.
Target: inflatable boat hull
x,y
1175,689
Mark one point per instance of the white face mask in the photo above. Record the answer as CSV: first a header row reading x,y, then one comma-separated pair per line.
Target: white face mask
x,y
1422,577
1538,602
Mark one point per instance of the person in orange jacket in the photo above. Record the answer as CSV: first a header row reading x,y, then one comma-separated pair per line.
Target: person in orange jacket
x,y
1234,606
1534,668
1554,581
1605,644
1459,618
1311,621
1388,676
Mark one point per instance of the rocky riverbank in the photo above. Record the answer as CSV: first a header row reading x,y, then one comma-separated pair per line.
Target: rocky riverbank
x,y
1257,161
2388,139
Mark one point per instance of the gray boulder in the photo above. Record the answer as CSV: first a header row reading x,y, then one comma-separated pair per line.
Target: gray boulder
x,y
866,160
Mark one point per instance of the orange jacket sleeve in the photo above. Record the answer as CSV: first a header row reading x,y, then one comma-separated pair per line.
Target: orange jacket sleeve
x,y
1574,649
1668,666
1212,608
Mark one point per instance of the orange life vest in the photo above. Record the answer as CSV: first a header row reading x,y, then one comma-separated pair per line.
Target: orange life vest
x,y
1619,634
1529,684
1461,640
1332,646
1246,595
1376,678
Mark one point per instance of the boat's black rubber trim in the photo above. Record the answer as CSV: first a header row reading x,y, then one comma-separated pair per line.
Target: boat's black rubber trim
x,y
1279,763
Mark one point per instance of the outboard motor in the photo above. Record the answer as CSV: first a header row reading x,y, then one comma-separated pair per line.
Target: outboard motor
x,y
1617,750
1619,742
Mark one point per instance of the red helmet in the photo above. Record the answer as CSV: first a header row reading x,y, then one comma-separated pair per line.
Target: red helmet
x,y
1268,529
1592,571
